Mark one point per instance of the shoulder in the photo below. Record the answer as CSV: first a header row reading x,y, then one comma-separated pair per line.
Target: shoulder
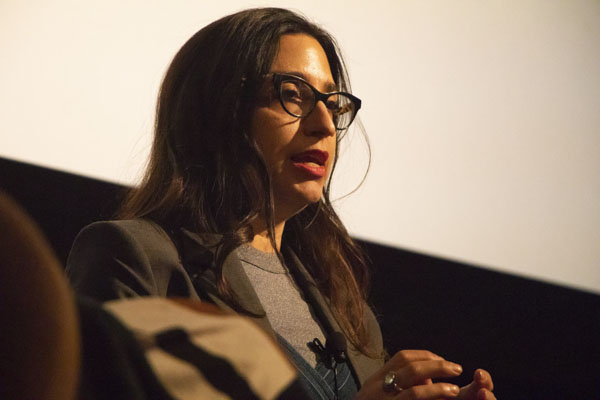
x,y
125,229
141,236
111,259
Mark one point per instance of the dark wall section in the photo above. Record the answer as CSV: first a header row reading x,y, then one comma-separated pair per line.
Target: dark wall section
x,y
540,341
61,203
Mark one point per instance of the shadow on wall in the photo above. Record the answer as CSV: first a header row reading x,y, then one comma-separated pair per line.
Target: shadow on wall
x,y
539,341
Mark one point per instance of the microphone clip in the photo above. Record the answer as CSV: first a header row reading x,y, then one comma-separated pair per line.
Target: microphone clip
x,y
334,351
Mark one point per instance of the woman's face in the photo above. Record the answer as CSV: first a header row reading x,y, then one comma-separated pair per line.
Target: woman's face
x,y
298,152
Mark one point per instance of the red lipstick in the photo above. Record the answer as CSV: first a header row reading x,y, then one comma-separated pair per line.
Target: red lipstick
x,y
312,162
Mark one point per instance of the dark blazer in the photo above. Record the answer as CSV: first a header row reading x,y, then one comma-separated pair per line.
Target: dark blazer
x,y
116,259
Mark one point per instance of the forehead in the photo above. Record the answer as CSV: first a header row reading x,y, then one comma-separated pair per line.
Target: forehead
x,y
303,55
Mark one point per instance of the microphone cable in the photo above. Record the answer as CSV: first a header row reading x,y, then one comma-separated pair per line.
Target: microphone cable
x,y
334,352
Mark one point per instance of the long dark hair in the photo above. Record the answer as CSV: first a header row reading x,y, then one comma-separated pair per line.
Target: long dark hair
x,y
206,172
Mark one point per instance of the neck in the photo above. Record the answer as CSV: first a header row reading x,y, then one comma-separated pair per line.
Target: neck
x,y
261,240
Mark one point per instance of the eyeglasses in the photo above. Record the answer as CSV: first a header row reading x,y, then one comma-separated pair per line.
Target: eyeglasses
x,y
299,98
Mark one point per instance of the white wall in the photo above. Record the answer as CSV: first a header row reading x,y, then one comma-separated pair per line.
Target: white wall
x,y
483,115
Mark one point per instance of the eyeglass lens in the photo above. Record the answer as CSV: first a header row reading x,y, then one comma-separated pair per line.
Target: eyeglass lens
x,y
298,99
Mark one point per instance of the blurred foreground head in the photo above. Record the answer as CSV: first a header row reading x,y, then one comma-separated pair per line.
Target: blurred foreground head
x,y
39,339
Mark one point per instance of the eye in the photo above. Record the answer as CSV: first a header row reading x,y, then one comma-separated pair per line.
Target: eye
x,y
343,109
333,105
342,105
290,92
338,104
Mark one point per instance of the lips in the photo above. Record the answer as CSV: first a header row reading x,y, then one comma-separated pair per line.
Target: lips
x,y
311,163
318,157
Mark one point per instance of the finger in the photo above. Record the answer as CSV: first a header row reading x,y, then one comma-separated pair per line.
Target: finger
x,y
427,381
420,371
427,392
483,379
417,355
480,389
485,394
405,357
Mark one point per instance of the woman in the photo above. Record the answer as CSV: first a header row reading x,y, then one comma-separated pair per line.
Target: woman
x,y
234,208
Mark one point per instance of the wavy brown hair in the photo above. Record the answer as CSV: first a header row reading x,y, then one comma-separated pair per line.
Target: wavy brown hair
x,y
206,172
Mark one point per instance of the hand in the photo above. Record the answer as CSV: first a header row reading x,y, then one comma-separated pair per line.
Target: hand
x,y
480,389
414,371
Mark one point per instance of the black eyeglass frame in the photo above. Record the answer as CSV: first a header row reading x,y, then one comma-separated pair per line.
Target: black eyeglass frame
x,y
278,79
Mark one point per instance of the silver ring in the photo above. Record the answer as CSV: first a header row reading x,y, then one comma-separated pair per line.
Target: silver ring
x,y
390,384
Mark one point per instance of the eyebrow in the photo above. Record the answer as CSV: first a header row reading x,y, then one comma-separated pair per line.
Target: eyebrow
x,y
329,87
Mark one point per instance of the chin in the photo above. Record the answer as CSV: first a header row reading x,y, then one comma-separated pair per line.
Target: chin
x,y
309,193
307,199
315,198
297,200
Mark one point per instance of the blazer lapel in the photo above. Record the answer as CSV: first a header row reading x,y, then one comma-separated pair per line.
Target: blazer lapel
x,y
198,255
312,293
321,308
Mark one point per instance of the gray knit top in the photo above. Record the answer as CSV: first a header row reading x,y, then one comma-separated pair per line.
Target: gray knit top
x,y
287,311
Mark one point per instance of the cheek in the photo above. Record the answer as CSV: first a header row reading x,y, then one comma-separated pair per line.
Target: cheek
x,y
269,152
267,137
332,156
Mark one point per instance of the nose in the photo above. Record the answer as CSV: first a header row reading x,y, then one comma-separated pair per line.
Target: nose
x,y
320,121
